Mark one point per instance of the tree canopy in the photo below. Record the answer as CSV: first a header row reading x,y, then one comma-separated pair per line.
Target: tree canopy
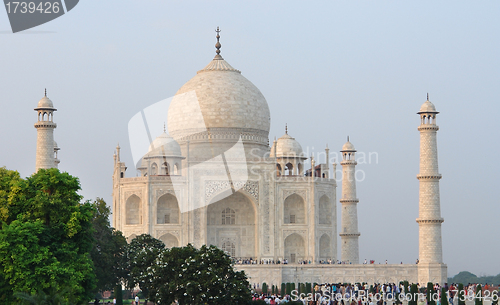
x,y
108,250
46,236
196,276
141,255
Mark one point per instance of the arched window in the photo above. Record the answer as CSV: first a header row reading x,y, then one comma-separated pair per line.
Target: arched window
x,y
167,210
228,216
229,248
289,168
133,210
154,169
278,169
294,210
166,168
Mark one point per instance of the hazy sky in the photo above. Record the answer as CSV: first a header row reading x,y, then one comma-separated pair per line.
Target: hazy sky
x,y
331,69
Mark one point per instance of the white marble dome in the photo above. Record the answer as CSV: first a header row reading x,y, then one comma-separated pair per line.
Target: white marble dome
x,y
164,145
428,107
348,147
286,146
227,100
45,102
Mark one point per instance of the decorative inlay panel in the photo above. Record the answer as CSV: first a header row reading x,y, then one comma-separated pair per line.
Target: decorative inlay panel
x,y
214,187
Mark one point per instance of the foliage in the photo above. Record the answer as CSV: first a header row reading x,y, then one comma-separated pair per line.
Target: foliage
x,y
414,294
196,276
478,300
308,287
118,295
430,293
283,289
273,291
141,254
108,251
46,236
444,296
461,295
264,288
466,277
52,298
289,288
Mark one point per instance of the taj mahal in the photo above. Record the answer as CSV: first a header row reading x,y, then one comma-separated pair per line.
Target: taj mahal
x,y
213,177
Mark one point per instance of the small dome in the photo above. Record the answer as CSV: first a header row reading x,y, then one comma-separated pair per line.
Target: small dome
x,y
164,146
428,107
45,102
348,147
286,146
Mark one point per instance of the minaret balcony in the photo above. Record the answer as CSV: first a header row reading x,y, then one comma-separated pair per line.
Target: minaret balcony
x,y
437,220
429,177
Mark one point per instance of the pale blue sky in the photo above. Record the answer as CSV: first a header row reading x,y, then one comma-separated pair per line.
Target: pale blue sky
x,y
329,69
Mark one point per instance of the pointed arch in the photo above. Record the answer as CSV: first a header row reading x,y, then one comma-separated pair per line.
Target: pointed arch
x,y
325,210
278,169
325,247
232,217
129,239
133,210
294,210
154,169
295,248
166,168
169,240
167,210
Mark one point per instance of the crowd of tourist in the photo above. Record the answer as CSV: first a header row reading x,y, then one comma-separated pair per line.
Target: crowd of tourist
x,y
364,294
251,261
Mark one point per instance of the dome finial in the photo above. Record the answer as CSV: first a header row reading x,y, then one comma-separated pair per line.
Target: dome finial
x,y
347,138
217,45
427,95
164,127
286,128
45,91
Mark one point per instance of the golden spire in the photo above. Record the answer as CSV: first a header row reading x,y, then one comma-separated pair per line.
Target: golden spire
x,y
218,45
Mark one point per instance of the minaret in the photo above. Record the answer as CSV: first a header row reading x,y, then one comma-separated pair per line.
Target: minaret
x,y
349,234
429,219
45,134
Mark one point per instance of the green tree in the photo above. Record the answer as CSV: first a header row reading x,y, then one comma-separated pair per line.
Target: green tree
x,y
196,276
264,288
444,296
141,254
414,294
478,299
308,288
430,293
108,251
461,294
289,288
50,231
283,289
118,294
